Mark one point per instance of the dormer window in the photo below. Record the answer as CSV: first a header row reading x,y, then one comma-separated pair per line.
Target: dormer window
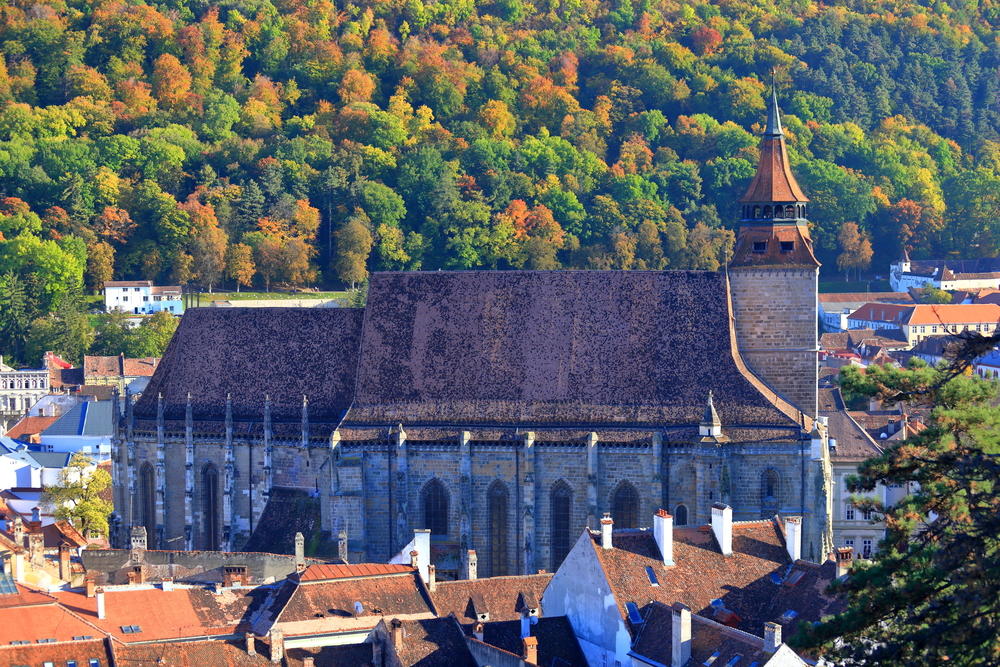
x,y
787,246
760,246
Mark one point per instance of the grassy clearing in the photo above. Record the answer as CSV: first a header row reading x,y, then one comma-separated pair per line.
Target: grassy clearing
x,y
207,298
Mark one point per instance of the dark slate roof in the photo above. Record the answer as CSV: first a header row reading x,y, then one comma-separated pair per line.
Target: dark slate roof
x,y
288,511
86,418
853,442
434,642
286,353
534,347
381,595
501,597
557,644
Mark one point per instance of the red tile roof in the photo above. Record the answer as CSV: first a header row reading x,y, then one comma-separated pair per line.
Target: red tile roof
x,y
30,426
59,653
195,654
773,181
25,597
953,314
501,597
879,312
183,612
874,297
119,366
327,571
41,621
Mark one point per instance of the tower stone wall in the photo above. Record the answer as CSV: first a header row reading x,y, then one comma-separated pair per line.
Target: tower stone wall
x,y
776,332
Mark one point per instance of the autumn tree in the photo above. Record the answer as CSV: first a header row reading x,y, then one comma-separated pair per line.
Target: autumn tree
x,y
856,250
100,265
354,244
239,264
76,496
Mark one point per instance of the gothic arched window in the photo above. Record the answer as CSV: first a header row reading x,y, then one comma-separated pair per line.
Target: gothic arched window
x,y
789,211
767,212
681,516
210,491
561,499
436,507
147,501
625,507
770,493
498,528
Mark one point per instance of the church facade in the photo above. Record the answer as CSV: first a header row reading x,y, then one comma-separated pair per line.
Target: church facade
x,y
501,411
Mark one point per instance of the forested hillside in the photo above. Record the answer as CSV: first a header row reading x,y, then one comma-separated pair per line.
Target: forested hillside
x,y
291,142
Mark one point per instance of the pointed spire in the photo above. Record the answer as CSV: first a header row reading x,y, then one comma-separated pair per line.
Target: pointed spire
x,y
710,424
773,115
305,421
189,413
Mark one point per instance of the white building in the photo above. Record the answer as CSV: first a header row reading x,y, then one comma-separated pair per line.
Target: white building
x,y
86,428
19,390
950,275
141,297
834,309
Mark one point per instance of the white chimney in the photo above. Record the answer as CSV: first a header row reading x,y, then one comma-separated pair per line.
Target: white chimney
x,y
793,537
471,565
100,604
167,585
606,525
772,637
722,527
663,533
845,559
680,636
422,545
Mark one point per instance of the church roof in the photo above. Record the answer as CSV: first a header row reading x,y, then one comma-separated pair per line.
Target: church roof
x,y
500,348
774,181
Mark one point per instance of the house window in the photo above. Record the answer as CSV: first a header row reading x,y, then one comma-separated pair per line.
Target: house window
x,y
849,543
866,515
849,515
913,330
866,548
210,491
147,500
681,515
923,329
136,289
436,508
124,298
760,246
934,329
787,246
770,493
498,528
145,298
561,501
625,508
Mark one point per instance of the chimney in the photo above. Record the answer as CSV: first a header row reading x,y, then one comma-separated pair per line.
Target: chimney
x,y
167,584
251,646
531,650
135,575
90,585
793,537
422,543
471,565
307,661
478,631
772,637
377,651
722,527
342,546
19,530
300,552
277,644
397,633
414,559
663,533
680,637
36,549
64,571
100,604
845,559
607,523
432,578
36,515
138,538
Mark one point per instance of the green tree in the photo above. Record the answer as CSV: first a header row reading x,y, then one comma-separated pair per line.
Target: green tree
x,y
354,244
76,497
14,316
931,595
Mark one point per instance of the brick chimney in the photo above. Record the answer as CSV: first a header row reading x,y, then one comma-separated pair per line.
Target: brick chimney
x,y
432,578
307,661
135,576
845,560
277,644
471,565
793,537
607,524
772,637
397,633
251,645
531,650
414,559
478,631
90,585
722,527
64,569
663,533
18,530
36,549
680,636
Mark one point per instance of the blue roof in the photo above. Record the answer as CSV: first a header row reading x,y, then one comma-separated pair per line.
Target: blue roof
x,y
88,418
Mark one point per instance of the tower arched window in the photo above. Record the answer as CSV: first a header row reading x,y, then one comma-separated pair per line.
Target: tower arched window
x,y
767,212
147,501
756,212
625,506
498,497
561,502
770,493
681,515
436,508
789,211
210,493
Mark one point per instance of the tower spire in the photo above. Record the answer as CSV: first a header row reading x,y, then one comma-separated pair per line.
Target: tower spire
x,y
773,128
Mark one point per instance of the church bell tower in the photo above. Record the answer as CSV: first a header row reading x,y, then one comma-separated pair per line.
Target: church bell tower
x,y
774,276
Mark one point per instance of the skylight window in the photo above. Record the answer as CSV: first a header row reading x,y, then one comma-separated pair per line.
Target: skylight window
x,y
732,661
19,642
80,638
46,641
633,612
94,662
652,576
789,615
712,658
131,629
776,578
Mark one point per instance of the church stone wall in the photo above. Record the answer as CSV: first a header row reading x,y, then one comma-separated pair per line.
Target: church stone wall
x,y
776,329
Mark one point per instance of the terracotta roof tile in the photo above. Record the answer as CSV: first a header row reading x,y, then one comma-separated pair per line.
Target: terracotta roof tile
x,y
865,297
775,237
182,612
41,621
435,642
950,313
329,571
195,654
329,605
30,426
773,181
502,597
59,653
